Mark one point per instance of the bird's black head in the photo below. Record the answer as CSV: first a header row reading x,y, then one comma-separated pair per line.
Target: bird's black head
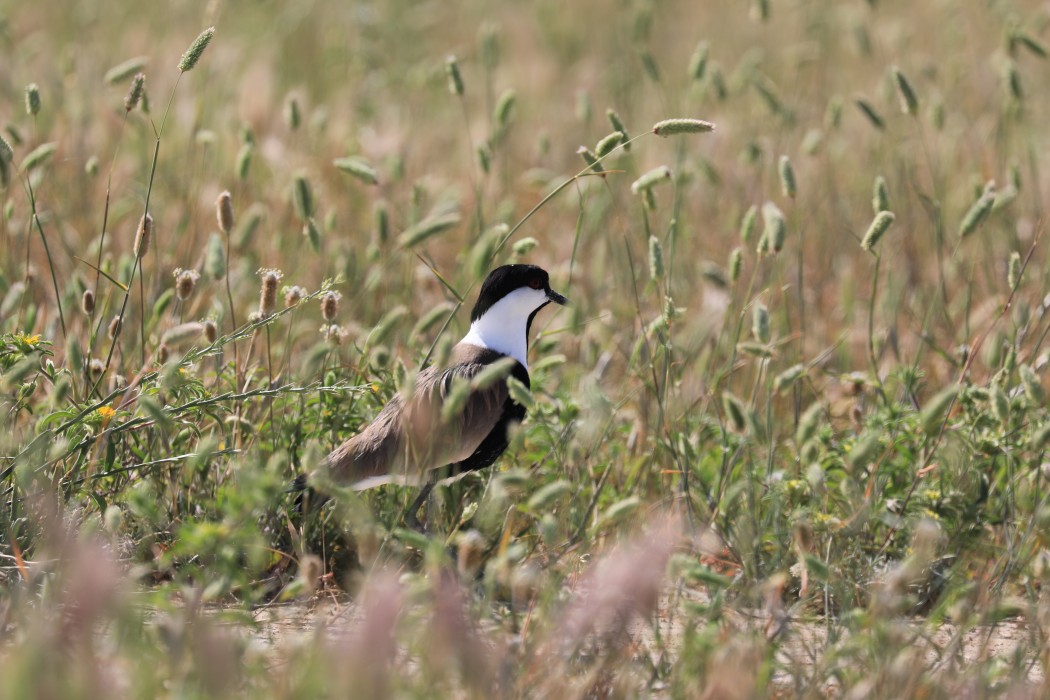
x,y
508,279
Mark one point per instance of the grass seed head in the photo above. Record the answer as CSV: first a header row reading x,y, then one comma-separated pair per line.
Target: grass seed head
x,y
32,99
607,144
6,153
292,114
787,177
330,305
313,234
1013,272
748,224
977,212
618,125
879,226
302,196
224,212
504,109
455,78
736,263
134,96
590,159
293,295
656,259
775,230
193,54
87,302
96,367
177,335
650,179
211,331
880,196
91,166
381,216
122,71
760,323
905,92
872,115
268,291
144,236
185,283
244,160
734,411
672,127
359,168
113,330
698,61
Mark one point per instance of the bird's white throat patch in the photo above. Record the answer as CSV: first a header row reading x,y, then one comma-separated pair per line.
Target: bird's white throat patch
x,y
502,327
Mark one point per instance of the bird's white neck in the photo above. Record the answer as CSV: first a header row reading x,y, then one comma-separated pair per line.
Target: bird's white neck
x,y
502,327
486,332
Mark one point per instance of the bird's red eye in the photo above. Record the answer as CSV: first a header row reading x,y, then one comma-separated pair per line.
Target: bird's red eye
x,y
536,283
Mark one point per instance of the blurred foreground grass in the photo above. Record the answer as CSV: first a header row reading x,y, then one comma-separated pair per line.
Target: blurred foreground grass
x,y
745,412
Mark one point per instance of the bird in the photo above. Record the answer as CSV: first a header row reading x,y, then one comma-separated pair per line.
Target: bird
x,y
411,439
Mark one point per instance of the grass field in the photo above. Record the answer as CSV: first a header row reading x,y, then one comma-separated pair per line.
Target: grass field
x,y
788,440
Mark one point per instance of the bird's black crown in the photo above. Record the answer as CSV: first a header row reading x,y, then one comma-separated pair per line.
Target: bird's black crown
x,y
504,280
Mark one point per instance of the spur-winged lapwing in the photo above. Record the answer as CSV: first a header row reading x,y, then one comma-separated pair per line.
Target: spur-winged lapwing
x,y
410,438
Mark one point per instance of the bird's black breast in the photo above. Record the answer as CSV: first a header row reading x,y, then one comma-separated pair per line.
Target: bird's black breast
x,y
495,443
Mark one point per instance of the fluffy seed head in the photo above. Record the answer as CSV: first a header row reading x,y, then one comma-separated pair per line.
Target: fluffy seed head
x,y
181,333
293,295
224,212
787,177
977,212
648,180
504,108
455,78
32,99
268,290
736,262
698,61
302,196
359,168
607,144
760,322
671,127
134,96
1013,274
909,101
330,305
292,114
193,54
113,330
122,71
382,221
880,196
775,231
87,302
734,411
590,159
6,154
244,160
96,367
163,353
211,331
656,258
333,334
618,125
748,224
185,283
882,222
143,236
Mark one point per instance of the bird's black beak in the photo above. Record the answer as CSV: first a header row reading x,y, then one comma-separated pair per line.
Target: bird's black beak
x,y
556,298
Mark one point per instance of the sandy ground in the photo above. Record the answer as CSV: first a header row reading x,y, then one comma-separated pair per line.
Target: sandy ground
x,y
801,643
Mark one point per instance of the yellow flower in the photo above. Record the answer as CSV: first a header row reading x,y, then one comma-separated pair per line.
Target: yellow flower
x,y
105,413
30,340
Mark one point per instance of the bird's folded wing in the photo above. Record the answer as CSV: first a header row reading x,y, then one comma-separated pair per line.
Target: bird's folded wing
x,y
409,438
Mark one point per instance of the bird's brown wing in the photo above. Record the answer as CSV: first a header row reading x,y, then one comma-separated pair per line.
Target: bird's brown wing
x,y
409,438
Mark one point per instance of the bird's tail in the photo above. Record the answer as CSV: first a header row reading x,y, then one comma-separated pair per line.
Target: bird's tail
x,y
307,498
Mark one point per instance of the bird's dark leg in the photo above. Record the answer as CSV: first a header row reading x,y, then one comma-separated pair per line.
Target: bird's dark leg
x,y
410,517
